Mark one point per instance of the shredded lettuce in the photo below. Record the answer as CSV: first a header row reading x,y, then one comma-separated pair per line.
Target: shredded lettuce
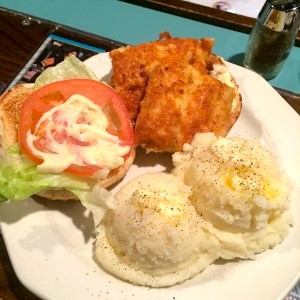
x,y
98,201
70,68
19,178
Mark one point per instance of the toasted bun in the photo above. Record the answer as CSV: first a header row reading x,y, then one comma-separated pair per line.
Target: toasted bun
x,y
221,72
10,107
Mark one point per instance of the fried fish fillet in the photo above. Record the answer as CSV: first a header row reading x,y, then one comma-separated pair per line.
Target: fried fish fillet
x,y
132,65
176,107
174,88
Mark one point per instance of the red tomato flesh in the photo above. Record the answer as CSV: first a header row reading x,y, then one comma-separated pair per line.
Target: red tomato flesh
x,y
54,94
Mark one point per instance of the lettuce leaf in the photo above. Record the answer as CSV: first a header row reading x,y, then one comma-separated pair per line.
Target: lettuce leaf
x,y
19,178
98,201
70,68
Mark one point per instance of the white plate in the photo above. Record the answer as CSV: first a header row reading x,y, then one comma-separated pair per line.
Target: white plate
x,y
50,243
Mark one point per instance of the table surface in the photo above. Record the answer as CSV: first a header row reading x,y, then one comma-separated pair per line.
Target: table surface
x,y
133,24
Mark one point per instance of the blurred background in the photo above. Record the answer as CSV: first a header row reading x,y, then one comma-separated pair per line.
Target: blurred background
x,y
249,8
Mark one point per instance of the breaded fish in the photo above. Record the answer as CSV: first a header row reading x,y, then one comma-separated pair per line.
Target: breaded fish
x,y
176,107
132,65
174,88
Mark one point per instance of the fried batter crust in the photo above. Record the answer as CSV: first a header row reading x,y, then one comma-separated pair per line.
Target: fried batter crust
x,y
132,65
176,107
171,93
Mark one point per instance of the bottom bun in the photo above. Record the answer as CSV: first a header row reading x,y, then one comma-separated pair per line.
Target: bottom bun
x,y
57,194
113,177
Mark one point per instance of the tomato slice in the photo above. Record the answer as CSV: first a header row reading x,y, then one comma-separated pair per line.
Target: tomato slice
x,y
54,94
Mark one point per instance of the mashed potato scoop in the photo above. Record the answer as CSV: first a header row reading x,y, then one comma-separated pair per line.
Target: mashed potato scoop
x,y
226,198
239,189
154,236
